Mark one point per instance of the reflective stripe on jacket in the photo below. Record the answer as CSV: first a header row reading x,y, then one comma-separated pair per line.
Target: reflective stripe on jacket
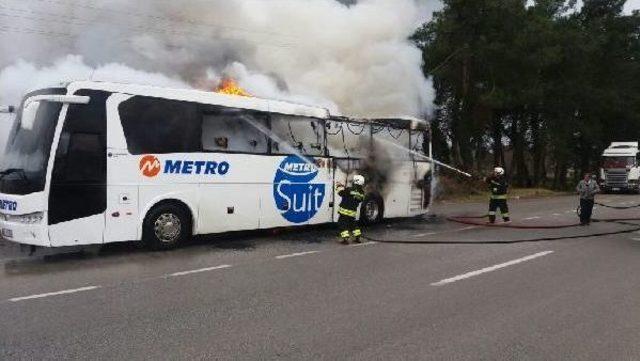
x,y
347,212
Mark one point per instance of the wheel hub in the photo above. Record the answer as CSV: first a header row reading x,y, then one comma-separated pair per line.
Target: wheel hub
x,y
371,210
167,227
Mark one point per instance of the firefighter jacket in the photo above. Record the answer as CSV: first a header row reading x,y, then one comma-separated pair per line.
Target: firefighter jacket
x,y
498,187
351,199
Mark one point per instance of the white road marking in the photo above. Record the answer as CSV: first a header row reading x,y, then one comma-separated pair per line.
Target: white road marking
x,y
57,293
363,244
296,254
635,239
490,269
556,214
530,218
570,211
424,234
184,273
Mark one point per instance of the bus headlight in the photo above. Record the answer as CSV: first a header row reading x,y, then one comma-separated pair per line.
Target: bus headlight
x,y
31,218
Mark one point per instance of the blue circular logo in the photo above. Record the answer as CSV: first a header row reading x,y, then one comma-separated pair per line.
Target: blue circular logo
x,y
296,195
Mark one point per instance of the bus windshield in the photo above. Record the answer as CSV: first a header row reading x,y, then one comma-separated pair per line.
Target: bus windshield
x,y
23,164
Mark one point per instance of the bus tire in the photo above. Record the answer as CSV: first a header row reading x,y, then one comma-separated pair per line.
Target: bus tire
x,y
372,210
166,226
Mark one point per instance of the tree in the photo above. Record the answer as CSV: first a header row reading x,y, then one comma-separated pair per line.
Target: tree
x,y
551,84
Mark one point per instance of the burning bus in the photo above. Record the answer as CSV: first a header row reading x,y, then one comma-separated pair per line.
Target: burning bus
x,y
96,162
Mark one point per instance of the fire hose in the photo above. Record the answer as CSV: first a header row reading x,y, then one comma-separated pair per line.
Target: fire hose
x,y
469,221
621,221
617,207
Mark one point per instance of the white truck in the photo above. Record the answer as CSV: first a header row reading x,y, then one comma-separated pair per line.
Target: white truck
x,y
620,169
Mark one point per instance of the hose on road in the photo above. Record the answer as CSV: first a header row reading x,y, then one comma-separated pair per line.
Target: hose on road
x,y
621,221
470,221
617,207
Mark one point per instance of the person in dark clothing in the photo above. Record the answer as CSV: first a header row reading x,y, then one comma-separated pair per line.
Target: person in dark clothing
x,y
498,186
348,210
587,188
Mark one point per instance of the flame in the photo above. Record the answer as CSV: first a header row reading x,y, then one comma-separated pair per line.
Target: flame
x,y
231,87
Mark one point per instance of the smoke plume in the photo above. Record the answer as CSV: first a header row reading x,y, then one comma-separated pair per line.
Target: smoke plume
x,y
352,57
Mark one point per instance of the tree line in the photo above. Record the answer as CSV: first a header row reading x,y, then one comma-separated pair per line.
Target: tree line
x,y
539,87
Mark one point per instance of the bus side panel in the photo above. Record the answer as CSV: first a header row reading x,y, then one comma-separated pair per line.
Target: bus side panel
x,y
123,218
421,189
88,230
298,192
325,177
228,207
397,191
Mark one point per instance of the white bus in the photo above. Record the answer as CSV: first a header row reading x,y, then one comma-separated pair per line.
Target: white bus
x,y
94,162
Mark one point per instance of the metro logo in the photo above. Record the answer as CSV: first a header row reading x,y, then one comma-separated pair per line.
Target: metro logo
x,y
195,167
297,191
150,166
8,205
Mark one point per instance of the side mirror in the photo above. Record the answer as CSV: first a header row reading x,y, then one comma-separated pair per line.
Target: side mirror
x,y
32,105
7,109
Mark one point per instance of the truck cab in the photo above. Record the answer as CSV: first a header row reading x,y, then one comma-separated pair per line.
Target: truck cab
x,y
620,171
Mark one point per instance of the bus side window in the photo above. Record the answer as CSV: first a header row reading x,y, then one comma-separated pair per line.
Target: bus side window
x,y
234,130
348,139
393,142
300,134
160,126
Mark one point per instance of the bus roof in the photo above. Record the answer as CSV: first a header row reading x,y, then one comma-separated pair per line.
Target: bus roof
x,y
204,97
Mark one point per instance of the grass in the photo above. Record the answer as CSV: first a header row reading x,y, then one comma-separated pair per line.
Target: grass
x,y
514,193
454,190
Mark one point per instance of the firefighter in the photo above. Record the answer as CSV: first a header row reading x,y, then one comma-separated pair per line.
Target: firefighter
x,y
348,209
498,186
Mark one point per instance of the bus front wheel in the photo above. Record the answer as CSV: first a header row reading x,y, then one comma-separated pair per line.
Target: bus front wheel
x,y
166,226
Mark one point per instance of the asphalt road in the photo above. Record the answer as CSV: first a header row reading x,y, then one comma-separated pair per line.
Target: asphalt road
x,y
299,295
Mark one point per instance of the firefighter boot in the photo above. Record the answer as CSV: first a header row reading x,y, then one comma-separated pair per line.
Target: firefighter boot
x,y
357,234
344,237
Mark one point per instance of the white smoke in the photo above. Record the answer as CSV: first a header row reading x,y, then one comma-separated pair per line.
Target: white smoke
x,y
354,59
21,77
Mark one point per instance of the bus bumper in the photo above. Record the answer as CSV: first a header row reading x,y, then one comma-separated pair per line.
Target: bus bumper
x,y
29,234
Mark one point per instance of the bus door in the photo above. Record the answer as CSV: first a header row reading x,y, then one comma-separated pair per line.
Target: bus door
x,y
123,173
326,174
78,193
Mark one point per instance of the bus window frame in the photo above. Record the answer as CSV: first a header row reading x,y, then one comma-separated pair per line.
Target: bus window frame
x,y
323,123
204,112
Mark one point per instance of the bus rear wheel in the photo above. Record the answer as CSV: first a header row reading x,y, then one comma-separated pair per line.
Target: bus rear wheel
x,y
166,227
371,210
